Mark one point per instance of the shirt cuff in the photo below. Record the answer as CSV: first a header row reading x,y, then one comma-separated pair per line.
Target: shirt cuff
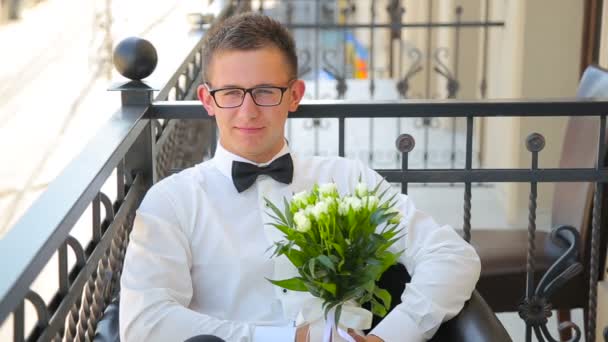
x,y
398,326
264,333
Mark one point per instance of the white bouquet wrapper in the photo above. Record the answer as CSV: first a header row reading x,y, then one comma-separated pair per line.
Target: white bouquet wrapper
x,y
321,330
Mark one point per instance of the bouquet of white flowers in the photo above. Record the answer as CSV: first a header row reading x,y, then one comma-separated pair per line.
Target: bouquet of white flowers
x,y
339,245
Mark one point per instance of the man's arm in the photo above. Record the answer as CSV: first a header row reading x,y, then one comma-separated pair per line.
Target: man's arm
x,y
156,286
444,270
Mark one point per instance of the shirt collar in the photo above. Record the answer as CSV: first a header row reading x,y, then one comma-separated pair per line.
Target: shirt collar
x,y
223,159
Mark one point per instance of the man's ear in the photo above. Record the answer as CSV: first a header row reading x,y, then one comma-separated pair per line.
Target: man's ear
x,y
206,99
297,93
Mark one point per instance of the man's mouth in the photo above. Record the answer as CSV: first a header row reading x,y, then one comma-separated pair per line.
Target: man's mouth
x,y
249,129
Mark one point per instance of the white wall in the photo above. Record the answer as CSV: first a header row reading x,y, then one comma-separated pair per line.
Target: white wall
x,y
535,56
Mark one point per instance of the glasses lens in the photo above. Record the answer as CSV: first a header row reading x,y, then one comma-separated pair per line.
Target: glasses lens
x,y
267,96
229,97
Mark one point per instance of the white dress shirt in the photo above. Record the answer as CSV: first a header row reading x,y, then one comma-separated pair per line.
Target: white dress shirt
x,y
198,259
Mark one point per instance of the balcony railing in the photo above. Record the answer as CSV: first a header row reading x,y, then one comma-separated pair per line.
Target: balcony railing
x,y
147,139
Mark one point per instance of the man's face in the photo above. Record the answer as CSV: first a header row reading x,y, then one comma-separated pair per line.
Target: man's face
x,y
251,131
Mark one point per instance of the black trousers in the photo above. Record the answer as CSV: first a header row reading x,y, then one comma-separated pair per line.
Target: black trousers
x,y
204,338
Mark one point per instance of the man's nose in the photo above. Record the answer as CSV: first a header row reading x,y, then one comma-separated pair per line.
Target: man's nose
x,y
249,108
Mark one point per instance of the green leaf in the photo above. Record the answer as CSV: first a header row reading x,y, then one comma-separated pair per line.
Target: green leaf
x,y
384,192
384,296
288,213
276,211
328,306
370,286
329,287
377,187
356,292
284,229
338,314
378,309
339,249
293,284
296,257
311,267
378,217
327,262
276,219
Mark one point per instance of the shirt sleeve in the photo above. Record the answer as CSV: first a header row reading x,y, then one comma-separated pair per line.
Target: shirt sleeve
x,y
444,270
156,287
274,334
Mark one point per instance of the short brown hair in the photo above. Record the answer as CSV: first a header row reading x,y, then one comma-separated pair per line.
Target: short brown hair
x,y
249,31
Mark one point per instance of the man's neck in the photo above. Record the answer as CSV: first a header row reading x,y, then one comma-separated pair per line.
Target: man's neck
x,y
259,158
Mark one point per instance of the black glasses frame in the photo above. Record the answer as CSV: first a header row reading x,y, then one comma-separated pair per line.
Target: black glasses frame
x,y
250,91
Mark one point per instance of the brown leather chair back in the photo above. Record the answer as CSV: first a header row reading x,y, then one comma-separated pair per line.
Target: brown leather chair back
x,y
573,202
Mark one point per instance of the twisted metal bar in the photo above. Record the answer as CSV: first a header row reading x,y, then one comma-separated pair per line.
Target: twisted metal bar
x,y
467,213
467,185
531,263
593,263
72,322
595,235
114,258
117,254
85,310
98,301
532,307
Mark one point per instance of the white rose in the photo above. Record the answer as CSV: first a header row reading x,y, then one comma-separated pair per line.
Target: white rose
x,y
330,201
361,190
397,218
320,209
328,190
371,202
355,203
300,198
302,222
309,210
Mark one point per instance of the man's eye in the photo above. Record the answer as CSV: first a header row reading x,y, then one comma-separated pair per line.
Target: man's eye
x,y
264,91
234,92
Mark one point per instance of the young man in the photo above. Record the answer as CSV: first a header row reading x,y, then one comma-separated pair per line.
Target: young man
x,y
198,263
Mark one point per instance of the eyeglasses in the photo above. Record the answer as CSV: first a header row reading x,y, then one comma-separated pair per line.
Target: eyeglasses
x,y
263,96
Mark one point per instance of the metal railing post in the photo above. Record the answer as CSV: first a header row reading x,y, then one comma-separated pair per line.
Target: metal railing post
x,y
136,59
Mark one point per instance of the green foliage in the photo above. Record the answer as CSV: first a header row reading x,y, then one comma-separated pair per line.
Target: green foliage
x,y
339,244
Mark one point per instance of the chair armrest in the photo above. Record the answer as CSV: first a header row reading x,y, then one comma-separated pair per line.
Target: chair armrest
x,y
475,322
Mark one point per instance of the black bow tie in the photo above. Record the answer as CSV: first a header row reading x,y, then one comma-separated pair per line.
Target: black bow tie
x,y
245,174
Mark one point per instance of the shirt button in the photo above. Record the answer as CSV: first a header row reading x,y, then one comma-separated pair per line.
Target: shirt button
x,y
284,290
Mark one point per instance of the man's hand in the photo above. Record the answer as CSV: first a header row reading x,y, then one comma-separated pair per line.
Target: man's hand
x,y
302,333
359,338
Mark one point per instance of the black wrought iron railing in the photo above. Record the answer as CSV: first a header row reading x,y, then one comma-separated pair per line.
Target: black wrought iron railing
x,y
147,139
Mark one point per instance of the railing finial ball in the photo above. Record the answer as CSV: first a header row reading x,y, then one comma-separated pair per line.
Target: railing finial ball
x,y
135,58
405,143
535,142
